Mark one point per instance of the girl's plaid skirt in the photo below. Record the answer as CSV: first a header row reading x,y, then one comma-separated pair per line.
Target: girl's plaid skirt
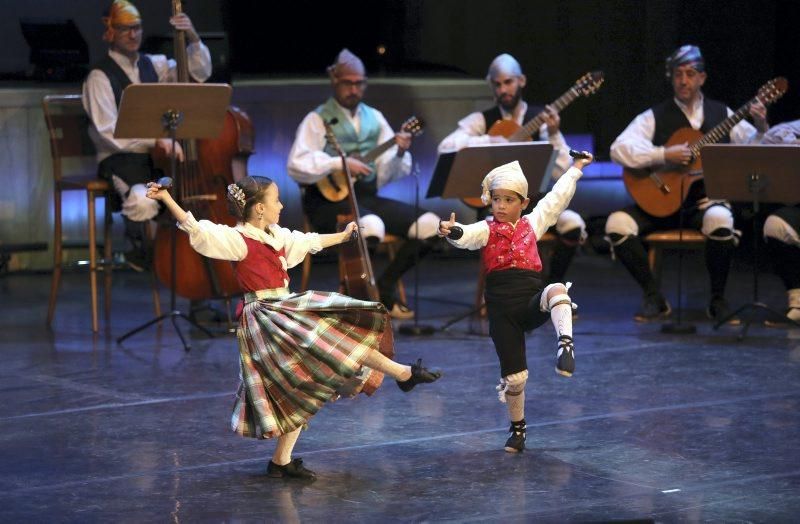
x,y
295,351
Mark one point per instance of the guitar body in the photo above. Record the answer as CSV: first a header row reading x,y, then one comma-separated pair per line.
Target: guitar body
x,y
647,191
334,186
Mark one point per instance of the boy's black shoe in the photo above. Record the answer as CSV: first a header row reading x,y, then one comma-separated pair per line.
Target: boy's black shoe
x,y
516,442
293,469
718,309
654,307
565,359
419,375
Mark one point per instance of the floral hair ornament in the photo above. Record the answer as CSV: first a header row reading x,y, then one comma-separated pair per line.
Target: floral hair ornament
x,y
236,194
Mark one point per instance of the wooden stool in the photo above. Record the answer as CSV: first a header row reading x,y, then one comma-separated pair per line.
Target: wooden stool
x,y
68,126
657,242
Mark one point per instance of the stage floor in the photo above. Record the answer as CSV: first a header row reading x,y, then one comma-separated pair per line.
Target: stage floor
x,y
669,428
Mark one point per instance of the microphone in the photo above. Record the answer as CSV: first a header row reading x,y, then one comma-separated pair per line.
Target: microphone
x,y
333,121
578,154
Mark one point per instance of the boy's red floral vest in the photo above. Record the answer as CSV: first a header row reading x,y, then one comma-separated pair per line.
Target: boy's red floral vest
x,y
511,248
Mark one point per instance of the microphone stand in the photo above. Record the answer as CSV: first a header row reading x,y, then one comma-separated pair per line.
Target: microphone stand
x,y
678,327
416,329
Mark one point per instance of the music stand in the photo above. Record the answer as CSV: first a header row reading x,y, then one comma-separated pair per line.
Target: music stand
x,y
752,173
459,175
175,111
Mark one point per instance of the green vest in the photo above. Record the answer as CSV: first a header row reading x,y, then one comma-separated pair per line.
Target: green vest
x,y
350,141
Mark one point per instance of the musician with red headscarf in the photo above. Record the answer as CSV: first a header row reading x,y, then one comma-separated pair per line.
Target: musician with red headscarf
x,y
126,162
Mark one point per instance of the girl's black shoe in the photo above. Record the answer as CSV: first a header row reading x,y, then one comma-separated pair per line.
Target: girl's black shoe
x,y
565,359
293,469
516,442
419,375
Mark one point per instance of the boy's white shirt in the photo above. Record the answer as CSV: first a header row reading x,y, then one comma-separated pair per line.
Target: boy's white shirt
x,y
541,218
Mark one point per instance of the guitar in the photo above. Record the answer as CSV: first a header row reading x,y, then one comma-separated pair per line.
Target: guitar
x,y
657,191
586,85
335,188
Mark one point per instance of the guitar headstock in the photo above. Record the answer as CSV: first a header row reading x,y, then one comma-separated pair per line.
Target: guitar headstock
x,y
330,136
413,125
772,90
589,83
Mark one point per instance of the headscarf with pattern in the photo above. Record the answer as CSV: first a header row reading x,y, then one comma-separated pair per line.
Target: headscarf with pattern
x,y
123,13
347,64
504,64
687,54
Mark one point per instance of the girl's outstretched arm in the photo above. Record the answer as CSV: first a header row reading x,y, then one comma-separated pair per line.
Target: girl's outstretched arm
x,y
156,192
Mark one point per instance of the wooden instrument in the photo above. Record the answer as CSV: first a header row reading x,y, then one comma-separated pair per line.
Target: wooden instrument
x,y
586,85
658,191
355,266
209,166
335,188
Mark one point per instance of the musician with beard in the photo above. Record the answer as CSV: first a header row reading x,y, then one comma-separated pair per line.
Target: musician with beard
x,y
507,82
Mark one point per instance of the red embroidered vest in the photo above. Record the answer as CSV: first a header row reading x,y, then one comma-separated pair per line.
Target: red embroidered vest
x,y
511,248
261,268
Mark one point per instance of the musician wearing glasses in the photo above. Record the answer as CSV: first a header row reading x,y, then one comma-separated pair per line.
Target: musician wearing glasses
x,y
359,129
126,163
646,144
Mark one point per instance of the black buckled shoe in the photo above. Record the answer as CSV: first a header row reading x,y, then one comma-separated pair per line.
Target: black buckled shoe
x,y
565,359
718,310
419,375
516,442
654,307
293,469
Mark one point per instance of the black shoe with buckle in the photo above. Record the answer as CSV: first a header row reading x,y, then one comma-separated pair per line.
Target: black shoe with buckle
x,y
718,310
516,442
293,469
654,307
419,375
565,358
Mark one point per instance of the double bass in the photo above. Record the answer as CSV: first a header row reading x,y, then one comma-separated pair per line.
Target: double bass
x,y
355,266
209,166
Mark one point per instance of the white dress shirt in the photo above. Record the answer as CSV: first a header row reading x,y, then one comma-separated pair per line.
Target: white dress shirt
x,y
308,162
634,147
101,106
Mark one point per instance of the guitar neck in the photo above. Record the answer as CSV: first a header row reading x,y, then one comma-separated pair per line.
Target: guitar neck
x,y
721,129
533,125
377,151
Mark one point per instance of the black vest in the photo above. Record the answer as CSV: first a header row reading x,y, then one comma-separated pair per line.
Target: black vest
x,y
670,118
119,80
493,114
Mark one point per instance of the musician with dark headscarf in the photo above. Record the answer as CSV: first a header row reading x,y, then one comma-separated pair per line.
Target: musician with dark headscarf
x,y
643,145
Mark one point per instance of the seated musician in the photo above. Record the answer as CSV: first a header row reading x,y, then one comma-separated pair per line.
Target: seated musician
x,y
507,82
126,162
360,128
643,145
782,228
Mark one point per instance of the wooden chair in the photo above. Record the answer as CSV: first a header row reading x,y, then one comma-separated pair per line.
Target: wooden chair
x,y
390,243
657,242
68,126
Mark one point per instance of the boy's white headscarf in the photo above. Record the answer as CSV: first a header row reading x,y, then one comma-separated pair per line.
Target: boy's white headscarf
x,y
508,176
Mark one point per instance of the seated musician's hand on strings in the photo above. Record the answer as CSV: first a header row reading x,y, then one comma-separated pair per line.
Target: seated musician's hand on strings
x,y
552,120
679,154
403,141
444,227
165,144
586,159
758,112
182,22
357,167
